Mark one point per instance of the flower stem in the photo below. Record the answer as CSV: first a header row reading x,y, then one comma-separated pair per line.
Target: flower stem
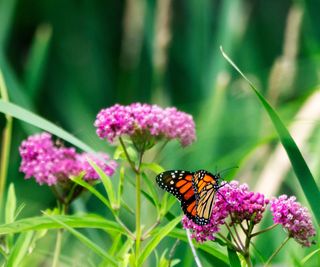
x,y
277,251
264,230
6,141
196,258
247,259
57,250
138,206
127,156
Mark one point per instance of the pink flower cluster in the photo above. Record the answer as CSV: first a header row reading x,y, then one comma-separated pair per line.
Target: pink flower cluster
x,y
49,164
121,120
294,218
235,200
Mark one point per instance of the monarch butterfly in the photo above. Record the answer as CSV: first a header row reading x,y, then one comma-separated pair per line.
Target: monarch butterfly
x,y
195,191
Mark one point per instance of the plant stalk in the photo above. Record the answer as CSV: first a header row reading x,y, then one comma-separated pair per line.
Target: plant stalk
x,y
57,250
6,141
277,251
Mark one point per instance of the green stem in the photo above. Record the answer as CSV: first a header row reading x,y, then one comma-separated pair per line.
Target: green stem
x,y
6,141
247,259
138,206
264,230
229,243
277,251
57,250
127,156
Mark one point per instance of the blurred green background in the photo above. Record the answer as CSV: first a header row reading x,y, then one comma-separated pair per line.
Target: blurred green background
x,y
65,60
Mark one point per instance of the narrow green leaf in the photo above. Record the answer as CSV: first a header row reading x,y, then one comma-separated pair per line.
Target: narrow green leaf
x,y
298,163
75,221
36,59
156,239
11,205
78,180
10,210
105,181
151,189
309,256
86,241
35,120
20,249
211,248
233,257
152,166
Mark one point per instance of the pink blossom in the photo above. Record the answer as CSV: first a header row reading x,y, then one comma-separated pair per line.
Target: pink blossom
x,y
294,218
121,120
49,164
232,200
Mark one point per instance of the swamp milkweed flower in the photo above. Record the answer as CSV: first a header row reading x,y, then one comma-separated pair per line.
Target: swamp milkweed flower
x,y
145,122
50,164
232,200
294,218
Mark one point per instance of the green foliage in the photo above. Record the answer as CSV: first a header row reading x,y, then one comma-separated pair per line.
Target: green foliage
x,y
65,66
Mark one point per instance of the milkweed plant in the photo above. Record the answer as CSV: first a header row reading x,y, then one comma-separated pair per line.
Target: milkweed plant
x,y
134,129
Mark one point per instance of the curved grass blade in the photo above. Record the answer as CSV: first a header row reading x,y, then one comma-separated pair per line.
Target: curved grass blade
x,y
215,251
20,249
35,120
298,163
78,180
86,241
75,221
156,239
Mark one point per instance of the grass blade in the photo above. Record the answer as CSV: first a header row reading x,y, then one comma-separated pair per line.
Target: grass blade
x,y
95,248
6,141
298,163
36,60
156,239
75,221
35,120
20,249
105,181
78,180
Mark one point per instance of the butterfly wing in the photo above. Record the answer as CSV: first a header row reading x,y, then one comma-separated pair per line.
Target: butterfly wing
x,y
180,184
205,186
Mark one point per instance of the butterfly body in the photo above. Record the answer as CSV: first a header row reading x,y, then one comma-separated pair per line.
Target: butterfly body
x,y
195,191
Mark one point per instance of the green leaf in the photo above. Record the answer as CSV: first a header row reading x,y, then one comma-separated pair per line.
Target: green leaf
x,y
78,180
75,221
11,205
156,239
105,181
86,241
10,211
36,60
152,166
151,189
211,248
233,257
309,256
298,163
35,120
20,249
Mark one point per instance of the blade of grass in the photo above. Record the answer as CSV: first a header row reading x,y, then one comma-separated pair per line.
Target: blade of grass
x,y
36,59
6,140
86,241
156,239
35,120
75,221
20,249
78,180
298,163
105,181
